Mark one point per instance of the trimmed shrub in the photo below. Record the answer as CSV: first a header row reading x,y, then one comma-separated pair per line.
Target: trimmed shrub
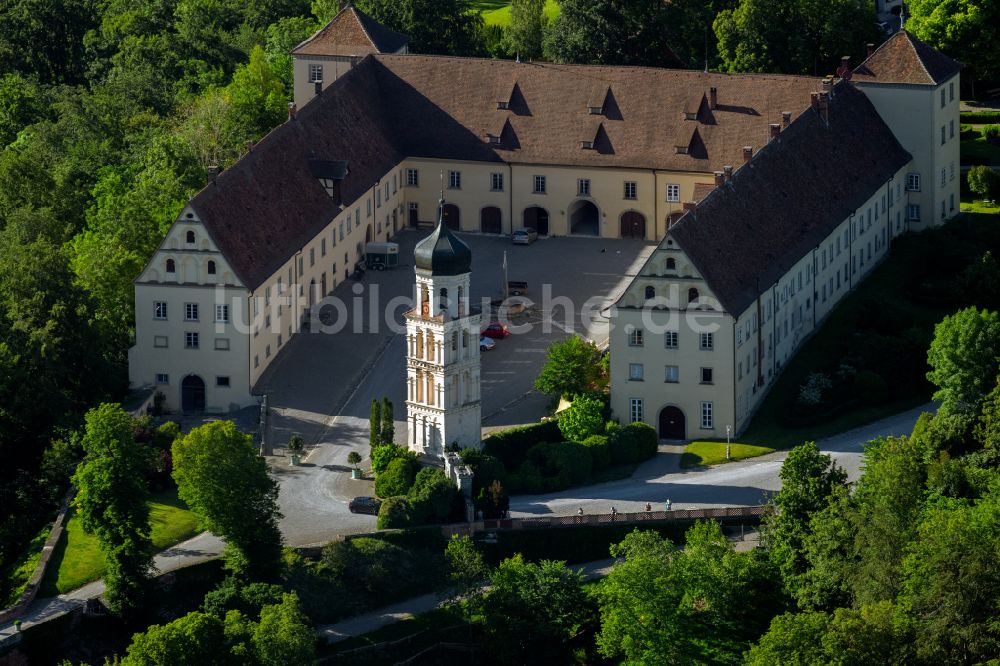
x,y
486,469
248,598
397,478
632,443
870,388
527,479
561,464
582,419
385,454
433,496
992,133
979,117
511,446
600,453
394,513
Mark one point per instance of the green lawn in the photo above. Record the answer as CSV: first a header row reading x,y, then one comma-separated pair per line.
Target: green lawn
x,y
713,453
497,12
77,559
979,149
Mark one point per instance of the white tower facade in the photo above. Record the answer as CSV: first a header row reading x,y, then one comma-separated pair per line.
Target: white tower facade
x,y
442,359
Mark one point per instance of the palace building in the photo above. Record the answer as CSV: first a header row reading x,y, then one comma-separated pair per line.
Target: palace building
x,y
744,181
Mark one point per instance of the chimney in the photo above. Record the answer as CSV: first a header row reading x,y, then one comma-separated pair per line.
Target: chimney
x,y
727,171
775,130
871,49
845,62
292,110
824,107
690,206
786,118
713,97
318,88
828,85
747,153
720,178
814,100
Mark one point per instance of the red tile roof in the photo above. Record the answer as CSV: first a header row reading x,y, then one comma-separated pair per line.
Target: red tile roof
x,y
905,59
789,197
352,32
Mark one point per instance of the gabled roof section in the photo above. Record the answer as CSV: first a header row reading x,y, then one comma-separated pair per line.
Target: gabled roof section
x,y
789,197
352,32
905,59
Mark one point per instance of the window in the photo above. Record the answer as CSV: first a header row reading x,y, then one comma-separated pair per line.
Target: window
x,y
171,266
650,293
913,212
630,189
707,420
191,340
256,361
635,337
496,182
913,182
190,312
951,129
267,351
211,268
670,339
671,264
583,187
160,341
312,257
315,73
539,185
635,372
454,180
322,247
671,374
951,201
692,297
706,341
222,344
942,98
635,409
357,218
222,382
942,135
189,237
162,378
222,313
673,192
368,213
412,178
944,177
159,310
951,91
342,229
951,171
706,375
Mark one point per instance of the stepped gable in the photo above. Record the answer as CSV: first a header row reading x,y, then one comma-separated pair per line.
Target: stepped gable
x,y
352,32
789,197
446,105
268,205
905,59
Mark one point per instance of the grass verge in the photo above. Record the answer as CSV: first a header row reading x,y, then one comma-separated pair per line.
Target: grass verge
x,y
497,12
21,572
78,560
713,453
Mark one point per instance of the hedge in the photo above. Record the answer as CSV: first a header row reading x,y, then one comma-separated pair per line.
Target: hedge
x,y
397,478
632,443
980,117
511,446
600,452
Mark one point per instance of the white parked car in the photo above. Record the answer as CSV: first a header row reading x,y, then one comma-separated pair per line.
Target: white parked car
x,y
486,344
524,236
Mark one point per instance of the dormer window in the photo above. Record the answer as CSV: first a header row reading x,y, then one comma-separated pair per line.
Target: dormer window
x,y
315,73
595,110
650,293
692,297
503,105
171,266
328,185
671,264
211,268
189,237
588,145
493,139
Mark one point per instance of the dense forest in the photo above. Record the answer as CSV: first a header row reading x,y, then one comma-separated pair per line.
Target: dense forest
x,y
111,111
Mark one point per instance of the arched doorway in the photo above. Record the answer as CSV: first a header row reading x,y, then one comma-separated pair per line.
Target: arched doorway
x,y
193,394
672,423
537,218
584,219
451,217
489,220
633,225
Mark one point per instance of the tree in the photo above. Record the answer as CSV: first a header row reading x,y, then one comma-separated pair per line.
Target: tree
x,y
283,635
395,512
611,32
967,30
439,27
387,429
433,495
221,477
583,418
466,573
532,609
984,181
794,638
258,97
375,425
572,367
796,39
383,455
195,639
45,39
353,458
523,35
397,478
965,359
111,500
808,480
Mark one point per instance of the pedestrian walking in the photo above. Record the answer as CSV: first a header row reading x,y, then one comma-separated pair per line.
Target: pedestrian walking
x,y
649,507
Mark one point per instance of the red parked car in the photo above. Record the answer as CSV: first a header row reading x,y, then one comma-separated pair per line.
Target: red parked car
x,y
496,330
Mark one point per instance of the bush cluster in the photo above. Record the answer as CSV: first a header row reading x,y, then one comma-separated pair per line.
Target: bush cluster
x,y
511,446
424,497
979,117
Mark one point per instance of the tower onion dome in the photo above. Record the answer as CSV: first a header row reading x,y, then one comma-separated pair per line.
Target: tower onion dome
x,y
443,253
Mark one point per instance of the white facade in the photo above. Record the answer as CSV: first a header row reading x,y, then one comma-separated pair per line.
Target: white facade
x,y
442,366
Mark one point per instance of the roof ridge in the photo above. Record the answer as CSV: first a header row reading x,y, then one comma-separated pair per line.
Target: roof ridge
x,y
364,28
913,46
